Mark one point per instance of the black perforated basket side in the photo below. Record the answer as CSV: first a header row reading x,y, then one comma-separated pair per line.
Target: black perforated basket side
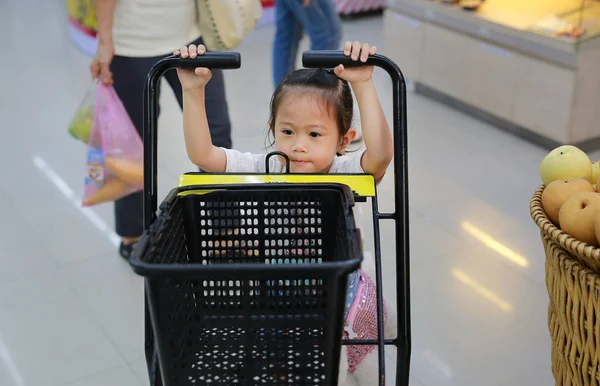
x,y
257,287
207,333
245,225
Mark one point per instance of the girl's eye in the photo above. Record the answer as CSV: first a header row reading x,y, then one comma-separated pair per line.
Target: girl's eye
x,y
287,132
315,134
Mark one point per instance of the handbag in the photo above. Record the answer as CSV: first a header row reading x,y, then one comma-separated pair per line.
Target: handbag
x,y
225,23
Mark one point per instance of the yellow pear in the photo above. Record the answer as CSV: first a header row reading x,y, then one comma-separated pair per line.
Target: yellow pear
x,y
595,172
565,162
577,216
559,191
597,227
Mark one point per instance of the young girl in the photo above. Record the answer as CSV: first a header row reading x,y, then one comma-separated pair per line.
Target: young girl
x,y
311,116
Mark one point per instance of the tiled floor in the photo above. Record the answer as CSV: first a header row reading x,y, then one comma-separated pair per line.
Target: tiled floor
x,y
71,309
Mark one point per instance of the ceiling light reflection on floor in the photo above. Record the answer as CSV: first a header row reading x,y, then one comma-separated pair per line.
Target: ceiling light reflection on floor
x,y
438,363
481,290
64,188
494,244
9,364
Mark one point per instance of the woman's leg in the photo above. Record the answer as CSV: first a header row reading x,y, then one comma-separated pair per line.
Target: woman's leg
x,y
287,37
129,75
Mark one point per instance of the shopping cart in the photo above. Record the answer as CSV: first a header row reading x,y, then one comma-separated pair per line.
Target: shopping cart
x,y
246,274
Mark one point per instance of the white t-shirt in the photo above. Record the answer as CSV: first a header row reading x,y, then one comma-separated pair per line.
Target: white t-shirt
x,y
147,28
238,162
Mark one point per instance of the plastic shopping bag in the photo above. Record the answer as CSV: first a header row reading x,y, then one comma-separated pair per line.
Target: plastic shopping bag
x,y
115,152
81,125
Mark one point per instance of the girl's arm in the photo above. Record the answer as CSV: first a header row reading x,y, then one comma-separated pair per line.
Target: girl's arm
x,y
198,142
376,131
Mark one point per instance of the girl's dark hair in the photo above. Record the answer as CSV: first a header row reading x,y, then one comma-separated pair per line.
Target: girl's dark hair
x,y
323,84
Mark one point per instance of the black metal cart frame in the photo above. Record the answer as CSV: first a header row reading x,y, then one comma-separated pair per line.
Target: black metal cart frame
x,y
310,59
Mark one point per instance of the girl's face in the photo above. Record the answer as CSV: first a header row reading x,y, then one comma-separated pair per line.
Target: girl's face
x,y
307,132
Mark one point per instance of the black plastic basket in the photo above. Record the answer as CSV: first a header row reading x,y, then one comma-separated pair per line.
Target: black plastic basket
x,y
247,284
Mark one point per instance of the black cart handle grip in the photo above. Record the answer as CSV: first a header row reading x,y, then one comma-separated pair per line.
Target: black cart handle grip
x,y
332,58
222,60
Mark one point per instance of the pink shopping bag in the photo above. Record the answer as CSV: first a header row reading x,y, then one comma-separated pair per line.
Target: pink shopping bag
x,y
115,153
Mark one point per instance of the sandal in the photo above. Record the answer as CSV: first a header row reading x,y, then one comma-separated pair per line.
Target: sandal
x,y
126,249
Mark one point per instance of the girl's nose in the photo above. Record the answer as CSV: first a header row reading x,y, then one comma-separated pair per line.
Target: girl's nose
x,y
299,145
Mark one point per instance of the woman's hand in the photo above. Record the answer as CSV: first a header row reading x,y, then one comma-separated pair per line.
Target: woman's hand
x,y
192,78
100,67
356,51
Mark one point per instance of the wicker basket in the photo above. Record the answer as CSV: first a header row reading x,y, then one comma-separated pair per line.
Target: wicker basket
x,y
574,307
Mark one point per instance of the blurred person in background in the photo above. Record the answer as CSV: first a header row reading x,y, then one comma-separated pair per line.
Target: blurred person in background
x,y
321,22
318,18
132,36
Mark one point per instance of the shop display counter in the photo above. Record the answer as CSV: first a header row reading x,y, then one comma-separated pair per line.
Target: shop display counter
x,y
531,67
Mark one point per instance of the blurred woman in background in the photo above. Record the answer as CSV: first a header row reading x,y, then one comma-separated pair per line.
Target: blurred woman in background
x,y
132,36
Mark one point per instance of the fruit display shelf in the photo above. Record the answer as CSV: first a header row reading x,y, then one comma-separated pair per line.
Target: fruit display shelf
x,y
566,208
573,286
